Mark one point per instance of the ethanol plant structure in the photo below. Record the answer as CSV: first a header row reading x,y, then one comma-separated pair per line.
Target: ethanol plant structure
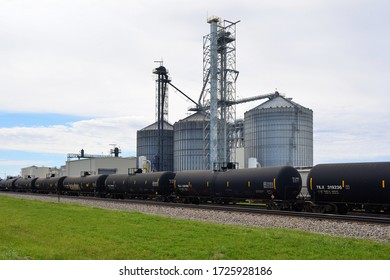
x,y
219,91
211,137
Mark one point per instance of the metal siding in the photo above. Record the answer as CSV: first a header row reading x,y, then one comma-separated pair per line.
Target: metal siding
x,y
147,145
188,144
279,136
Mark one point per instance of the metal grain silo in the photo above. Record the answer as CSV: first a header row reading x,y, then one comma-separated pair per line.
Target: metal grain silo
x,y
147,145
279,132
188,150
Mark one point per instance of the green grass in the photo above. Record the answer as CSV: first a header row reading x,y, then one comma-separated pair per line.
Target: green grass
x,y
41,230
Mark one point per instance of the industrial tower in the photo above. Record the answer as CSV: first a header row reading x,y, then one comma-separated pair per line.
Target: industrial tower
x,y
219,91
162,81
221,131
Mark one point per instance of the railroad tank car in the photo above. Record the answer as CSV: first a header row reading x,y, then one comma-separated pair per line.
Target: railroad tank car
x,y
85,185
272,183
24,184
267,183
348,185
144,185
7,184
195,185
49,185
117,185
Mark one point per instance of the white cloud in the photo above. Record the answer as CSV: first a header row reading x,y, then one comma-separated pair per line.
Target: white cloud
x,y
5,162
95,59
94,135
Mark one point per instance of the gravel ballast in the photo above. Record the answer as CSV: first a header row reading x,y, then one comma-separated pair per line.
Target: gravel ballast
x,y
375,232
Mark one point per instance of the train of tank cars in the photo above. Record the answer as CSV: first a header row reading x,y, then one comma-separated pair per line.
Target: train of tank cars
x,y
332,188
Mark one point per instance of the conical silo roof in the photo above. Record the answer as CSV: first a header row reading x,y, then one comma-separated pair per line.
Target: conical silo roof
x,y
198,116
154,126
279,102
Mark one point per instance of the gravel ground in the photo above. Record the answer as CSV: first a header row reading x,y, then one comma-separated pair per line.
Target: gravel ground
x,y
374,232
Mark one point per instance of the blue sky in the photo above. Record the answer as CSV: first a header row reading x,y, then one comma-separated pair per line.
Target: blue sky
x,y
36,119
78,74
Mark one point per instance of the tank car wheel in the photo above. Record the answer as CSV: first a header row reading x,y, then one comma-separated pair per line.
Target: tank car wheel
x,y
310,207
195,200
272,206
298,207
216,201
285,206
167,199
330,208
342,209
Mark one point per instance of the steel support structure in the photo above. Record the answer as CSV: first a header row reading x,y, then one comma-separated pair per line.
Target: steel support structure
x,y
162,82
219,91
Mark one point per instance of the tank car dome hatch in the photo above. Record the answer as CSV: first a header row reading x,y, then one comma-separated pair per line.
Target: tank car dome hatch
x,y
279,132
188,148
147,145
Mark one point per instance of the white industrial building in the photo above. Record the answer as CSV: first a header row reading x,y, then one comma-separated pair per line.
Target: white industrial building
x,y
103,165
41,172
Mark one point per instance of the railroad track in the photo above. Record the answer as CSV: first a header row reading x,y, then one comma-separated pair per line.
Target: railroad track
x,y
353,217
367,218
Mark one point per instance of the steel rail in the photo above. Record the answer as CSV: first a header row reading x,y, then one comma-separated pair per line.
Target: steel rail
x,y
353,217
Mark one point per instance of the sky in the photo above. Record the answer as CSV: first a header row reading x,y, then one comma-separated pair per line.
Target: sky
x,y
77,74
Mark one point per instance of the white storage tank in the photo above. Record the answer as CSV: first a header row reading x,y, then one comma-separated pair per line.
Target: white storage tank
x,y
253,163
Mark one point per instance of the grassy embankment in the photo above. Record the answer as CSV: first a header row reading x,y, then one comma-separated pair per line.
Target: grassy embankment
x,y
39,230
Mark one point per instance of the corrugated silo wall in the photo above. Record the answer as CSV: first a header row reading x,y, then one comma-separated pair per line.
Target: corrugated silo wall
x,y
279,136
147,145
188,145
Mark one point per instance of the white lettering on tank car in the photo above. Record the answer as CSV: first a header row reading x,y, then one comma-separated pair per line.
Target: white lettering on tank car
x,y
296,180
268,185
329,187
335,187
